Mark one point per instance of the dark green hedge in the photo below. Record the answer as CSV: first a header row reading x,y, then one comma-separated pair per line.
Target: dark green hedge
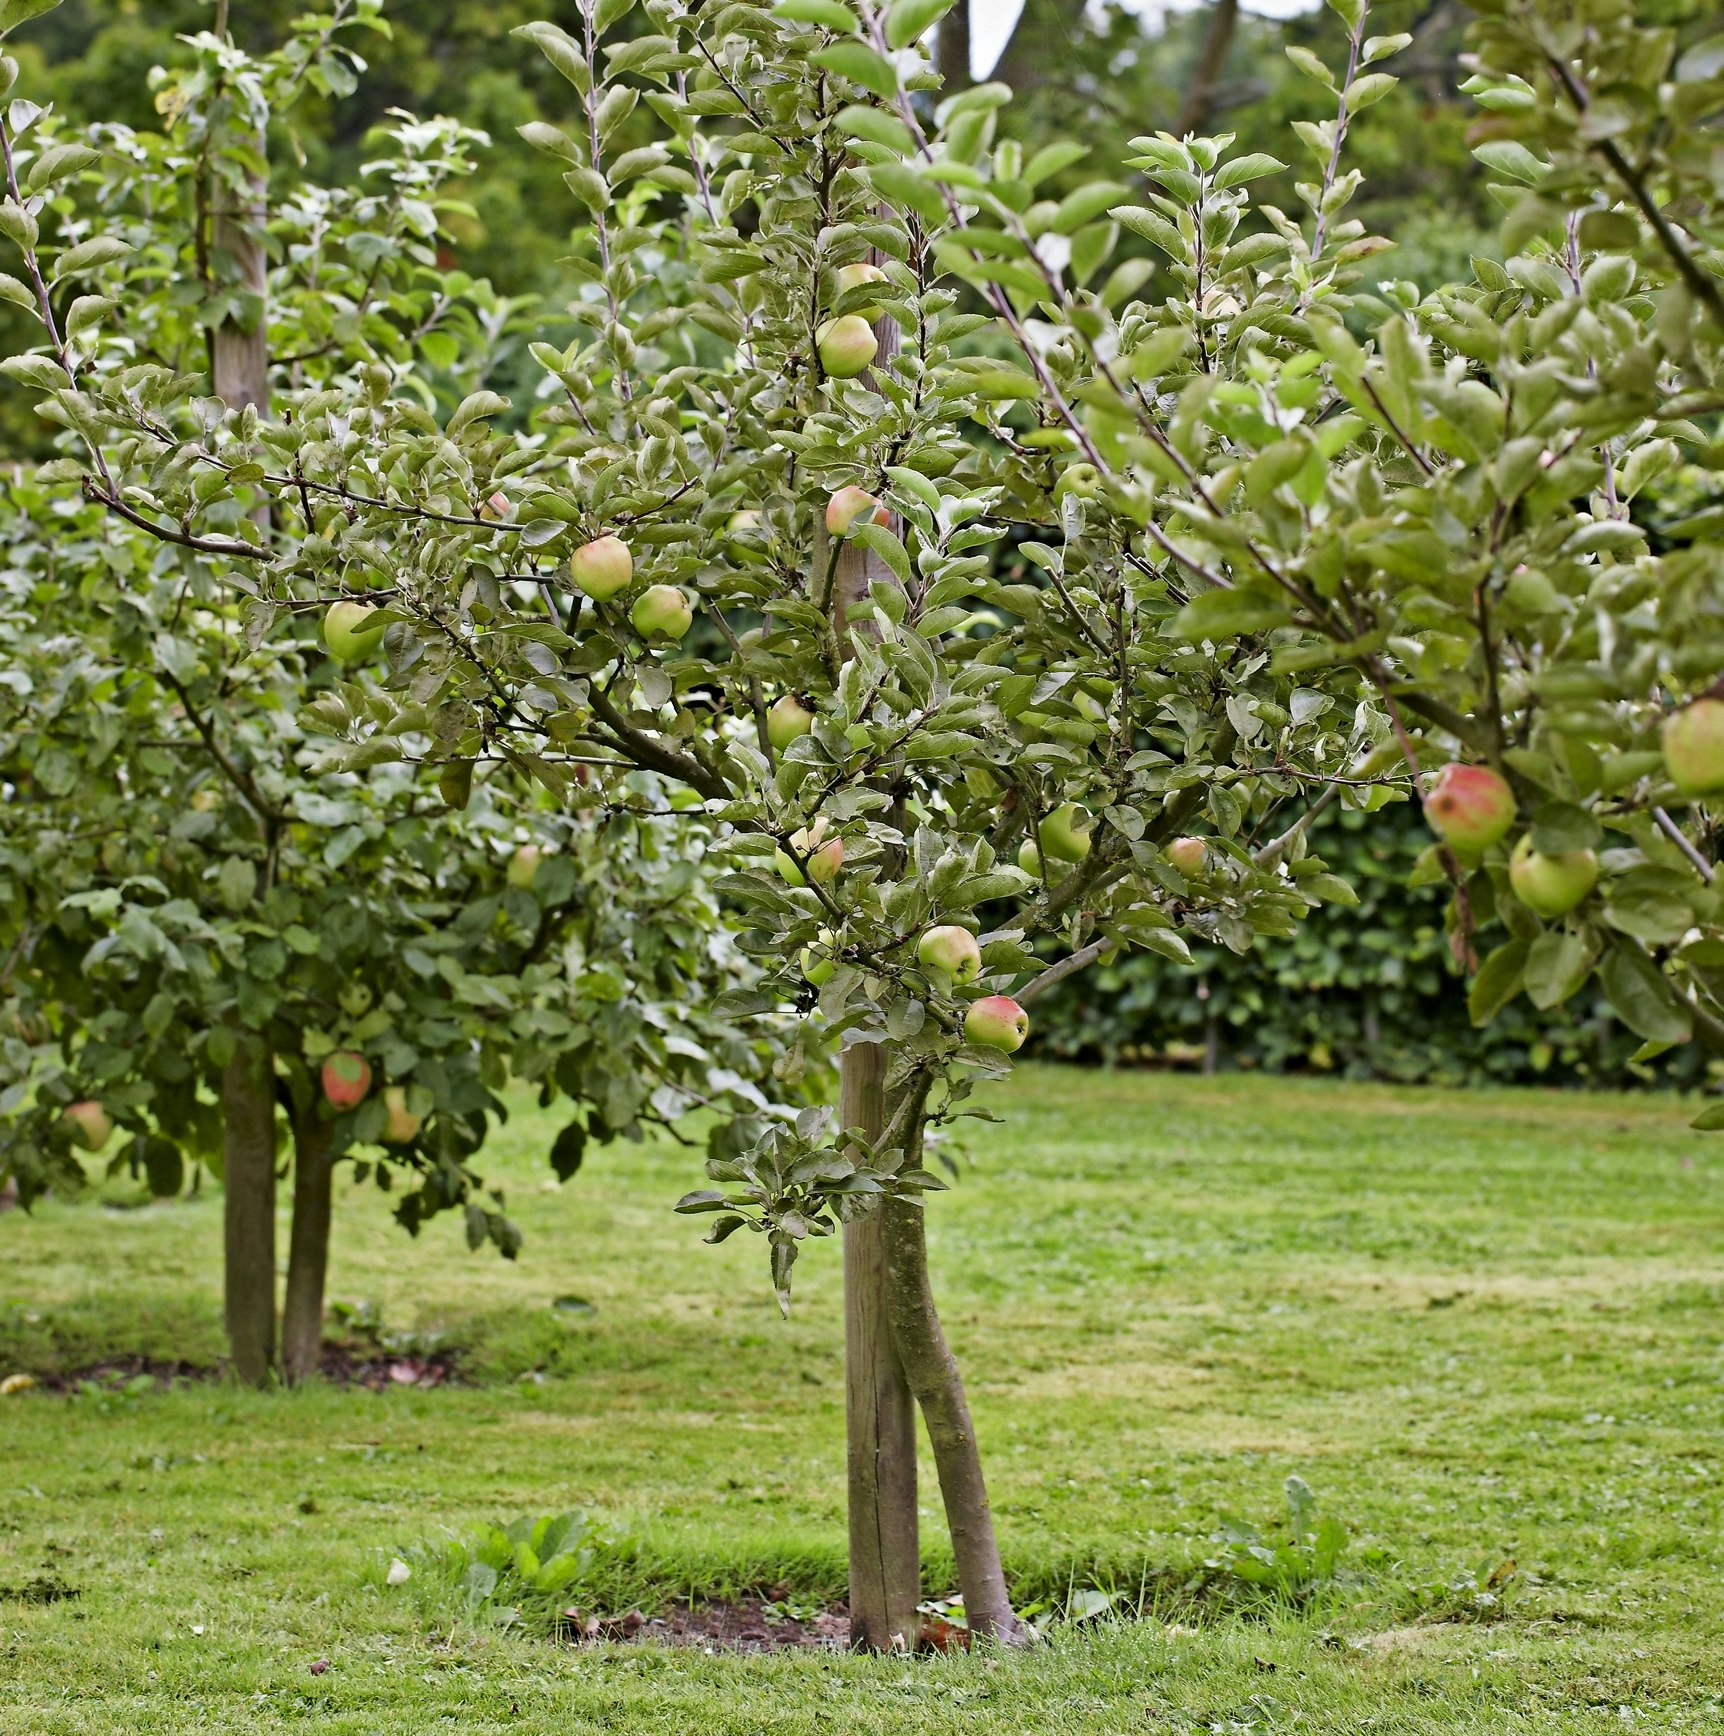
x,y
1363,993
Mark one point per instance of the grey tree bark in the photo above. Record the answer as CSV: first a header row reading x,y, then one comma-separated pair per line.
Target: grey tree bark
x,y
1211,58
1039,43
308,1245
248,1209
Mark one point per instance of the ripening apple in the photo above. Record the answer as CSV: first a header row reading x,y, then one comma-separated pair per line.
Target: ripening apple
x,y
853,277
402,1127
1694,748
345,632
744,525
1551,885
92,1126
846,346
819,966
997,1022
346,1079
602,567
848,505
788,720
496,506
523,867
1471,807
662,611
1030,859
1188,855
1064,834
953,950
824,856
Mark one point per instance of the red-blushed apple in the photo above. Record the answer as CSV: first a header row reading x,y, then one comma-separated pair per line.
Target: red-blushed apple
x,y
92,1126
1551,885
346,1079
1064,834
1030,858
1471,807
997,1022
788,719
851,277
346,634
953,950
662,612
1694,748
1188,855
402,1127
848,505
602,567
824,856
846,346
496,506
523,867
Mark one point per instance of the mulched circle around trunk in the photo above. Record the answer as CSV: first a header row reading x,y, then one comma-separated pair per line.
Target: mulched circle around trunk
x,y
341,1365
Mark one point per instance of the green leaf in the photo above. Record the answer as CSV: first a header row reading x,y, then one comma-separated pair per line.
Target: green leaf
x,y
1243,169
1709,1120
98,250
906,20
824,12
1221,614
875,125
1642,997
1556,966
1498,982
1511,157
568,1149
16,12
861,64
1559,827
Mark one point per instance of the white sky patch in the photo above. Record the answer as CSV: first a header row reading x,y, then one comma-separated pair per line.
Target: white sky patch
x,y
992,22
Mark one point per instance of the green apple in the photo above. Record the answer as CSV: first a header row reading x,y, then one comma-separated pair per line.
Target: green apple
x,y
997,1022
92,1126
346,1079
745,525
788,720
848,505
1064,834
1188,855
1694,748
1083,480
1471,807
345,632
662,611
402,1127
824,856
953,950
1030,859
846,346
1551,885
523,867
819,966
602,567
851,277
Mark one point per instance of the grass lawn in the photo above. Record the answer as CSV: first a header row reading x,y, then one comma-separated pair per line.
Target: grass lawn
x,y
1484,1327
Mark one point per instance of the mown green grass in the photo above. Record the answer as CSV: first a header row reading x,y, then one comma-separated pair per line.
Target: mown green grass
x,y
1483,1326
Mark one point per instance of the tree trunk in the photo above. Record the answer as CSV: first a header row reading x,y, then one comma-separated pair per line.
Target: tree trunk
x,y
248,1145
932,1372
308,1247
1040,42
885,1551
1211,58
239,359
952,49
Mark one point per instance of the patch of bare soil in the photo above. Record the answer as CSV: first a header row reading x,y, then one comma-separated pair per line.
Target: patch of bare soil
x,y
340,1365
744,1625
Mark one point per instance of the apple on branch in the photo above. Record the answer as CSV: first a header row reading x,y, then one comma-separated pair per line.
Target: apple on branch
x,y
818,966
953,950
1694,748
849,504
346,634
402,1126
846,346
849,277
825,856
90,1124
662,612
787,721
602,567
523,867
346,1079
1064,834
997,1022
1188,855
1551,885
1470,807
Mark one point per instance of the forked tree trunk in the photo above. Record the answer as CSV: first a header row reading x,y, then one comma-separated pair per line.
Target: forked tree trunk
x,y
308,1246
885,1551
248,1207
1206,75
932,1372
